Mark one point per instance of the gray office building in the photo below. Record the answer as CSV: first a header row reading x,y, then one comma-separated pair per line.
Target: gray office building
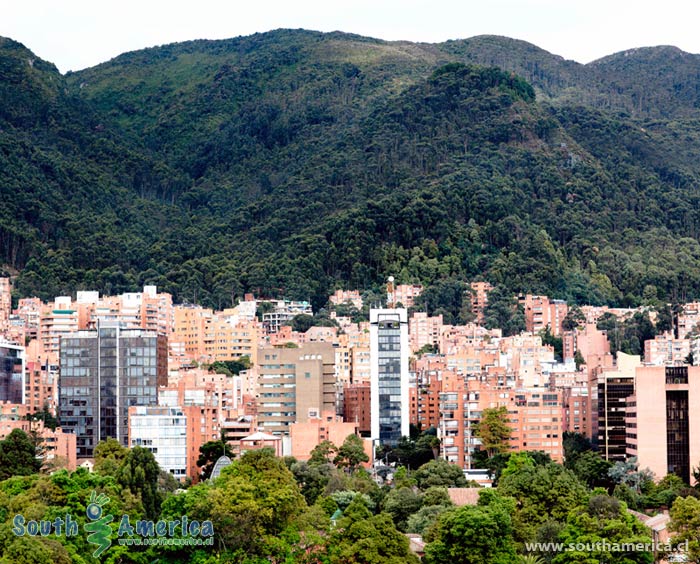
x,y
104,372
389,395
11,373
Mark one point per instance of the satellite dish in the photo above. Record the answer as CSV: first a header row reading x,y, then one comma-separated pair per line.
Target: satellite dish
x,y
220,464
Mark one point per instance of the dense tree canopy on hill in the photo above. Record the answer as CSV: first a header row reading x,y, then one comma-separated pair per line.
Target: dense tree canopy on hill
x,y
292,162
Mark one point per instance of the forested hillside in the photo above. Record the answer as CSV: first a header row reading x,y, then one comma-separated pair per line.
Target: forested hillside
x,y
292,162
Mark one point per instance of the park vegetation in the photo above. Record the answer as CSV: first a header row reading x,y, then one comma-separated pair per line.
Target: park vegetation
x,y
330,509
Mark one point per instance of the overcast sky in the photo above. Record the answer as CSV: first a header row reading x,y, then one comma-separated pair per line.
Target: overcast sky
x,y
75,34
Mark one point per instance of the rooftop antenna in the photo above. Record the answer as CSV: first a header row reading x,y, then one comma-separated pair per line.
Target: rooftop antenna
x,y
390,294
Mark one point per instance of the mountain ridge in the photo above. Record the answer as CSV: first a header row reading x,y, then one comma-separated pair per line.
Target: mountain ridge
x,y
293,162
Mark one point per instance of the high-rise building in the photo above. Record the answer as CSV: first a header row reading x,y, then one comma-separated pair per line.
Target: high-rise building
x,y
12,366
103,373
609,390
57,320
389,351
41,379
663,419
295,385
479,299
5,302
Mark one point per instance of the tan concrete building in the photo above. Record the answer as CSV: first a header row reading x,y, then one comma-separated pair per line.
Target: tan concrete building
x,y
27,316
689,319
479,299
663,419
189,329
5,302
58,319
294,385
41,379
424,330
536,420
406,294
664,350
212,337
60,449
306,436
541,311
344,296
588,340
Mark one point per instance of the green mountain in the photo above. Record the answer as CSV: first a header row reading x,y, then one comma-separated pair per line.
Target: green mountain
x,y
291,162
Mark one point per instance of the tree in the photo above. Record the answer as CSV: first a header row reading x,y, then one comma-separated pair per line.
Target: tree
x,y
420,521
323,453
18,455
665,492
628,473
140,473
593,470
344,498
696,475
414,453
609,323
543,492
363,538
351,453
493,430
574,319
603,519
401,503
504,312
531,559
109,455
436,501
473,535
685,523
253,507
46,416
209,453
439,473
167,483
517,462
557,343
302,322
447,297
312,478
574,445
437,495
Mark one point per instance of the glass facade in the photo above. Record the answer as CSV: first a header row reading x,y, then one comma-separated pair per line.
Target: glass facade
x,y
11,374
677,433
103,373
612,431
389,357
389,376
